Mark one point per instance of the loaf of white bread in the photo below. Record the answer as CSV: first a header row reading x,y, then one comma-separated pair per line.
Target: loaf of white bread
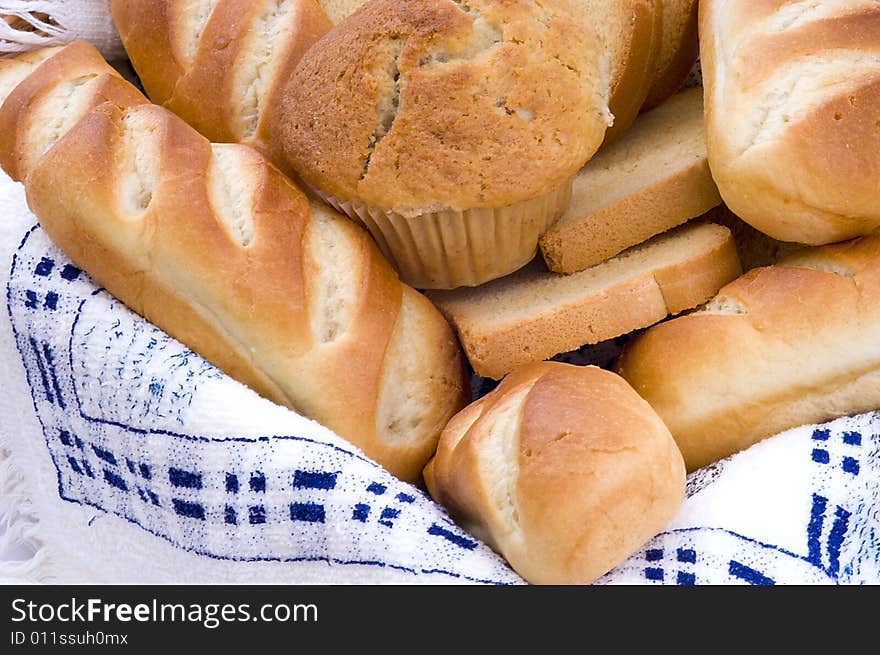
x,y
534,314
785,345
563,469
215,246
651,180
792,91
218,65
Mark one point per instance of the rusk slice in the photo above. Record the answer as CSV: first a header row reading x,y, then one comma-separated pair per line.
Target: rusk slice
x,y
653,179
535,314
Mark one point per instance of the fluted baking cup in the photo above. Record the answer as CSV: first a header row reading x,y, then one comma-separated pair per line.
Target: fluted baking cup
x,y
448,249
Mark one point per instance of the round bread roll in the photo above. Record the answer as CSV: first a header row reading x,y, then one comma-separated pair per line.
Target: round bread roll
x,y
785,345
563,469
452,129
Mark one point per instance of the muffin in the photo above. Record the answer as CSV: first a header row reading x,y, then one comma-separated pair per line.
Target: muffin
x,y
452,129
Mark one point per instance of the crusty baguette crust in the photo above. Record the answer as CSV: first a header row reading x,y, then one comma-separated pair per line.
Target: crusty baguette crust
x,y
601,221
560,323
793,134
587,471
80,67
193,57
782,346
292,299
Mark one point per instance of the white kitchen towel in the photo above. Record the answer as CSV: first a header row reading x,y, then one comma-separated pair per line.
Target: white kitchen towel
x,y
127,458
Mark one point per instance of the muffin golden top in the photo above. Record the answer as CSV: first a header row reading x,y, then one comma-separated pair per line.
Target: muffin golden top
x,y
423,105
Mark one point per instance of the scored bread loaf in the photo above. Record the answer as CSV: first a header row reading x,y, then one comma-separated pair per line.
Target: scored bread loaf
x,y
218,65
563,469
792,121
215,246
786,345
679,48
534,314
653,179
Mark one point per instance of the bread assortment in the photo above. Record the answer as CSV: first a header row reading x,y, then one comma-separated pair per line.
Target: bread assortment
x,y
466,136
793,134
564,469
219,249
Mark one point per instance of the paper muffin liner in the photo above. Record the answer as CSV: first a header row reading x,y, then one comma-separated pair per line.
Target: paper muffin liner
x,y
448,249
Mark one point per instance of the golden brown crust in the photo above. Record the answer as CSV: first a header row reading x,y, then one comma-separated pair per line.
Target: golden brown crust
x,y
419,105
678,52
782,346
591,472
293,300
798,163
146,29
236,47
633,65
79,64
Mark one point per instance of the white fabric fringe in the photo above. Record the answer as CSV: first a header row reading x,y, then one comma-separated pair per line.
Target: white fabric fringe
x,y
19,529
68,20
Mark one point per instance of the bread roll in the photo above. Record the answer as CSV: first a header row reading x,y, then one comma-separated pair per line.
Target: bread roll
x,y
215,246
786,345
792,97
218,64
562,469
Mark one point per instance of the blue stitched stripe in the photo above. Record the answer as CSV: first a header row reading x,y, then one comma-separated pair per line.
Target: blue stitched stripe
x,y
186,479
462,542
314,480
309,512
750,575
188,509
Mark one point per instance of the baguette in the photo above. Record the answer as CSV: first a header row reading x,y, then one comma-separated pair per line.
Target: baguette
x,y
793,133
782,346
218,65
562,469
534,314
655,178
215,246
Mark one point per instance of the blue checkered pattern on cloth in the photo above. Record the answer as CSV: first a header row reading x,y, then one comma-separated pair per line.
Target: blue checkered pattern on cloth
x,y
142,462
